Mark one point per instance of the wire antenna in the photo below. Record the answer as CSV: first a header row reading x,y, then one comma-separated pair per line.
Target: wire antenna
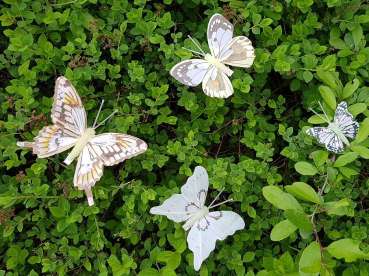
x,y
325,114
107,118
215,199
225,201
98,113
197,45
192,51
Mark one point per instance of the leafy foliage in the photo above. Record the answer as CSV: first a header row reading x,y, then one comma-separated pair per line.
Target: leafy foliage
x,y
252,144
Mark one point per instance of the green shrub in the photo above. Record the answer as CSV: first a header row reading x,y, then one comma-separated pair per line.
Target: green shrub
x,y
252,144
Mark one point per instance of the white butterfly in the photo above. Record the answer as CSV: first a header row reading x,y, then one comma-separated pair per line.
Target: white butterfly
x,y
212,70
334,137
69,130
206,227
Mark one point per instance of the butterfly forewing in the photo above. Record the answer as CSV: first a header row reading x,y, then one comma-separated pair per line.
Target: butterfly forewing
x,y
196,187
67,111
204,234
113,148
190,72
344,119
220,33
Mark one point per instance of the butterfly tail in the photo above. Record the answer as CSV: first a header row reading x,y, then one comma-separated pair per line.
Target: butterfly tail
x,y
90,197
25,144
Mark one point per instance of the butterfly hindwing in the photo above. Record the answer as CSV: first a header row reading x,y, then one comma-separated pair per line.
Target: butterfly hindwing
x,y
327,137
215,226
102,150
344,119
217,84
239,52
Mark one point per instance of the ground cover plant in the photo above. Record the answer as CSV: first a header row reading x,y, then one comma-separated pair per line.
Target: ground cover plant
x,y
305,209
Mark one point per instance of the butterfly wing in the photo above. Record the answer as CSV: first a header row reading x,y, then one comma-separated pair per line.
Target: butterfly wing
x,y
327,137
102,150
179,207
345,121
49,141
176,208
68,112
215,226
219,33
239,52
217,84
196,187
190,72
88,171
69,118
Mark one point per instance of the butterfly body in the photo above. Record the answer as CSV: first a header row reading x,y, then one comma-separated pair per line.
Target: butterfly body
x,y
87,135
196,217
337,130
218,64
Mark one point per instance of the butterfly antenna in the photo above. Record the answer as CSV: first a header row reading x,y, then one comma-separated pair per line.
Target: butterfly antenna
x,y
98,113
225,201
325,114
192,51
215,199
107,118
197,45
320,116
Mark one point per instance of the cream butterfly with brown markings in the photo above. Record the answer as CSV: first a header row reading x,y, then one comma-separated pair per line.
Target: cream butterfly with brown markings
x,y
70,129
212,70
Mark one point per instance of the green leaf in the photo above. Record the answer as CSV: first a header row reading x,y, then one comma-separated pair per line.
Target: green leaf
x,y
308,76
305,168
310,261
299,219
280,199
357,108
172,259
345,159
329,78
350,88
361,150
347,249
282,230
328,96
315,119
343,207
363,132
303,191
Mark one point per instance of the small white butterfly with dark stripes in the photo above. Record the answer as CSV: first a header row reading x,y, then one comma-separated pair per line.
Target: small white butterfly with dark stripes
x,y
334,137
69,130
211,70
205,227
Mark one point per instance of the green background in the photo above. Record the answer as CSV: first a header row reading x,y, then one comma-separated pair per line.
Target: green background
x,y
306,51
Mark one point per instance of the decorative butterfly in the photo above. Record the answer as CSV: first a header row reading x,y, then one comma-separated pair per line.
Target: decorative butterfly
x,y
212,69
334,137
69,130
205,227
